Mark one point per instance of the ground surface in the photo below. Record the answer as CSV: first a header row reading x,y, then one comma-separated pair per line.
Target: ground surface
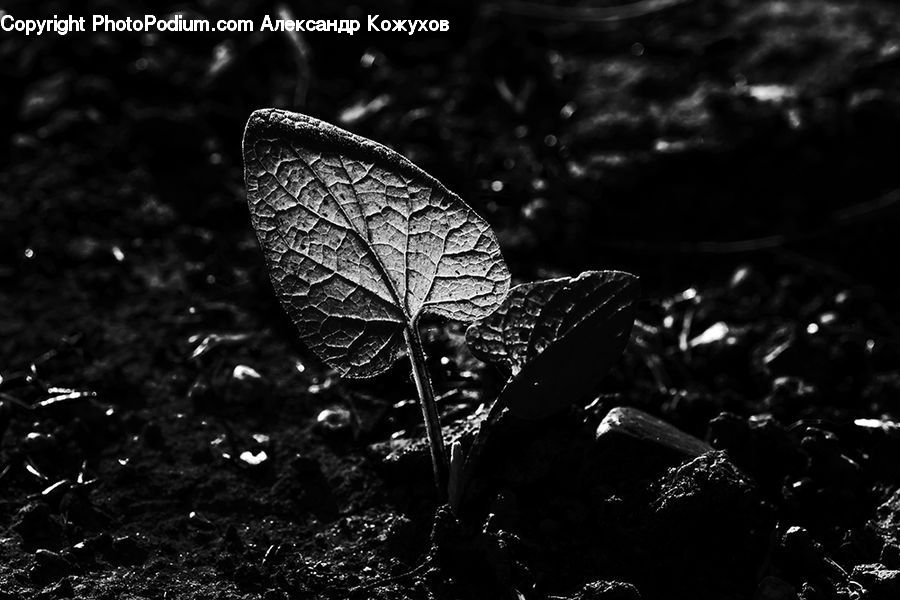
x,y
159,419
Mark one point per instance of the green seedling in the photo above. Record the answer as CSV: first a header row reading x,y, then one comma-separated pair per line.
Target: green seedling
x,y
360,243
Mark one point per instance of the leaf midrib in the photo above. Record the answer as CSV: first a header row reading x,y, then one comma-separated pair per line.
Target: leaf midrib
x,y
365,240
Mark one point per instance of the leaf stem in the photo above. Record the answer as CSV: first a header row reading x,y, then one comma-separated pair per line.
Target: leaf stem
x,y
429,409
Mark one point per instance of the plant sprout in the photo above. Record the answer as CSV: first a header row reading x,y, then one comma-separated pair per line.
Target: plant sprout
x,y
360,243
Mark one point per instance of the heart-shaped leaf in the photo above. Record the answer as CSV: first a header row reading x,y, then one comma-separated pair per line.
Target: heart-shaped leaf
x,y
556,338
360,242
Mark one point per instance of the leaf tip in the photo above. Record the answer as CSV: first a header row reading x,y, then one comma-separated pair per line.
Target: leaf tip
x,y
258,121
263,120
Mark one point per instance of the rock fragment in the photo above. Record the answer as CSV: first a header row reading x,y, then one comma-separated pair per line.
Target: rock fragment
x,y
646,443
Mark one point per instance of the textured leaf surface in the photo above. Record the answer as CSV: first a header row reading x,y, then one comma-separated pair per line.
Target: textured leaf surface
x,y
360,242
557,338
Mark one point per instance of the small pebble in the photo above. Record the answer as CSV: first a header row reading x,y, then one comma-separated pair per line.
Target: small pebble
x,y
48,566
243,372
254,459
334,419
644,440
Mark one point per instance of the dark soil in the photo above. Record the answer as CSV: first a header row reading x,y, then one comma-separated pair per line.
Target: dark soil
x,y
164,434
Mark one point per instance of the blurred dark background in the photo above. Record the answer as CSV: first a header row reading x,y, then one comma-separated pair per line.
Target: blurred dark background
x,y
674,143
